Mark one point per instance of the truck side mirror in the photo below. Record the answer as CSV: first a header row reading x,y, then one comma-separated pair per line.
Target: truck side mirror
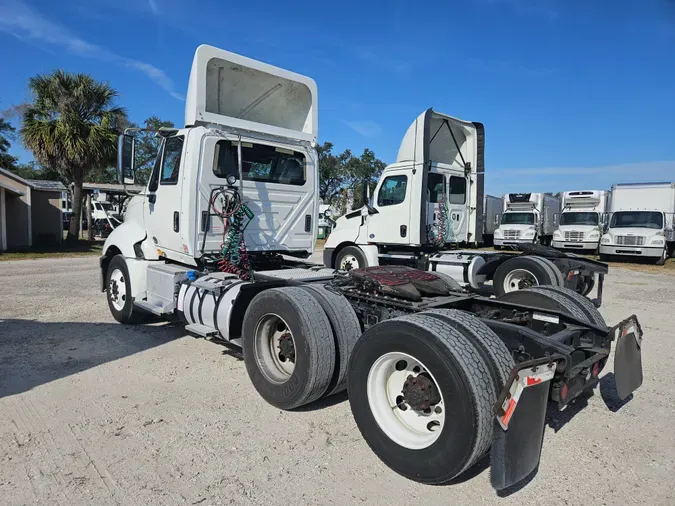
x,y
126,150
555,219
496,220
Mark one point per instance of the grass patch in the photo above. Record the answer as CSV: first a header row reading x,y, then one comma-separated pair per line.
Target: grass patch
x,y
79,249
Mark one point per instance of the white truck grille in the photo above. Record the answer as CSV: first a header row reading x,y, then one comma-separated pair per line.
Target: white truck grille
x,y
511,234
630,240
574,236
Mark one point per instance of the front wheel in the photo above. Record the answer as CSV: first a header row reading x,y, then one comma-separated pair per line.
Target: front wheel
x,y
118,292
350,258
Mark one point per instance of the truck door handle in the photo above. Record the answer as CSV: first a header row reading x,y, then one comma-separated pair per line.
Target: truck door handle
x,y
175,221
403,230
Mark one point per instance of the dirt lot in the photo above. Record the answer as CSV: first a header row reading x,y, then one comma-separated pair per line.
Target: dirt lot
x,y
93,412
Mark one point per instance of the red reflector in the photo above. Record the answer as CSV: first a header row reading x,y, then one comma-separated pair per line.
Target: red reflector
x,y
563,392
596,369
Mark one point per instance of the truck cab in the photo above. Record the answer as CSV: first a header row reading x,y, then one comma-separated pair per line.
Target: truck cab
x,y
642,222
247,124
431,196
582,220
527,218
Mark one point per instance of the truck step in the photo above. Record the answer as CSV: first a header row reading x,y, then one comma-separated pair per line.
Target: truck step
x,y
156,309
201,330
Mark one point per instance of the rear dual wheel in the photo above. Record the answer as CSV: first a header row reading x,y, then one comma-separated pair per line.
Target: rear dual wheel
x,y
297,342
525,271
421,389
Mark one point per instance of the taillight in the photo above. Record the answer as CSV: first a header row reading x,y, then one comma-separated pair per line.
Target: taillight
x,y
563,392
596,369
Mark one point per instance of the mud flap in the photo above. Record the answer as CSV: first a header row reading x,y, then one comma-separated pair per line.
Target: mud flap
x,y
518,433
628,358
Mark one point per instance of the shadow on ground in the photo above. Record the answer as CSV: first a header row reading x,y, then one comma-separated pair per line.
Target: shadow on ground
x,y
33,353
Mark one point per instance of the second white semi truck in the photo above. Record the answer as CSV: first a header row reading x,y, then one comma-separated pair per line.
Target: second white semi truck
x,y
582,219
642,222
529,218
430,201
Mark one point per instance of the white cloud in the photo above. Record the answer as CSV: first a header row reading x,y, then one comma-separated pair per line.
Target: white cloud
x,y
153,7
365,128
26,24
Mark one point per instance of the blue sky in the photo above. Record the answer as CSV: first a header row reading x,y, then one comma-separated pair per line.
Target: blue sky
x,y
573,94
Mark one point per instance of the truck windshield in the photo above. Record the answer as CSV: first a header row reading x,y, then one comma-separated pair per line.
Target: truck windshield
x,y
518,219
638,219
579,218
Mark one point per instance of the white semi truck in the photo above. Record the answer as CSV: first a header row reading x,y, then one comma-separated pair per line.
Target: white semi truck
x,y
436,375
529,218
642,222
582,220
431,200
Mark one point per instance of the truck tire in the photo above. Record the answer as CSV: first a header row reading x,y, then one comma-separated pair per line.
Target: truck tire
x,y
346,330
118,293
592,314
549,265
491,348
350,257
546,299
288,346
522,272
452,284
425,444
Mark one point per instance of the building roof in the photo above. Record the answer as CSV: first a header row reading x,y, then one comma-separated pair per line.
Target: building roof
x,y
11,174
39,184
11,189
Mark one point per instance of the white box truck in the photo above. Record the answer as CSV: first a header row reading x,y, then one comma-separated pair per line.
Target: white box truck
x,y
528,218
492,216
437,376
642,221
584,214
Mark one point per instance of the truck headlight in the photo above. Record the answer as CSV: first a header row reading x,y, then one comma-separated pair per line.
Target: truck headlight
x,y
606,239
498,232
529,233
557,234
594,235
657,241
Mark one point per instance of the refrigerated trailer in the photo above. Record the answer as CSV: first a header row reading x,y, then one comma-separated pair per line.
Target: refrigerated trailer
x,y
642,222
584,214
437,376
529,218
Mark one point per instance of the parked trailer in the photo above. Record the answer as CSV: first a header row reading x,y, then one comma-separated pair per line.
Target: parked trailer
x,y
582,220
529,218
436,376
642,222
492,212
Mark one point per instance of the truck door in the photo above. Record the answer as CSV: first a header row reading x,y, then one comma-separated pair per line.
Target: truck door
x,y
457,205
163,202
391,223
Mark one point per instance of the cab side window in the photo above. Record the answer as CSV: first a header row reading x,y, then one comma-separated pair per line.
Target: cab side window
x,y
392,191
457,190
173,149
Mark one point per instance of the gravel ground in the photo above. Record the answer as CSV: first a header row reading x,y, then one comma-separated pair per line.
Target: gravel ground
x,y
94,412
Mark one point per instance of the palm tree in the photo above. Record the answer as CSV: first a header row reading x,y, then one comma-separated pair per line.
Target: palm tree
x,y
71,126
